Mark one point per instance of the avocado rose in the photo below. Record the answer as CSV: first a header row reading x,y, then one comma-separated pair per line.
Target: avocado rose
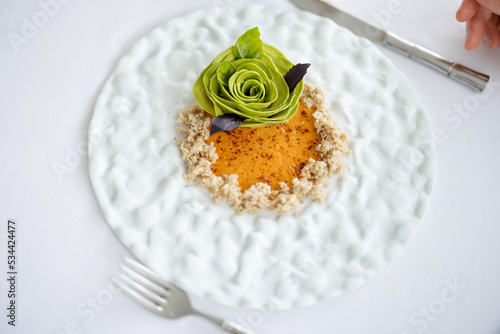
x,y
251,82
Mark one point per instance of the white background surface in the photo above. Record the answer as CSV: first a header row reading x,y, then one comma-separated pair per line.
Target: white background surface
x,y
67,253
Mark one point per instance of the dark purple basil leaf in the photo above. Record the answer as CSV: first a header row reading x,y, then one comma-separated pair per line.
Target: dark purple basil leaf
x,y
225,122
295,74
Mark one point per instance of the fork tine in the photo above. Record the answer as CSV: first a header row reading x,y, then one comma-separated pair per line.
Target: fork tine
x,y
148,273
150,305
154,287
138,287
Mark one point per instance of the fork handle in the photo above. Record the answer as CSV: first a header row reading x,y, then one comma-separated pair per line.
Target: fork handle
x,y
228,326
234,328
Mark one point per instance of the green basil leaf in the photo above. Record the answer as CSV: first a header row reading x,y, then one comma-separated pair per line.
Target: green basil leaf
x,y
249,45
224,72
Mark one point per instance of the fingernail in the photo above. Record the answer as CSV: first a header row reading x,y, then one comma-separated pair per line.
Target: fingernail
x,y
487,38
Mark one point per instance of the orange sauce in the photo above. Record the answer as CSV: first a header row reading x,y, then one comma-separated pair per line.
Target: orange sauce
x,y
269,154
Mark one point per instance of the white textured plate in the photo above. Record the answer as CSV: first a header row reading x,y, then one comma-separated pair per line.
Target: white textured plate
x,y
288,260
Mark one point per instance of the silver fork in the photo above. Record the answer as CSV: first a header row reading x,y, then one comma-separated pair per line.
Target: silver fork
x,y
163,298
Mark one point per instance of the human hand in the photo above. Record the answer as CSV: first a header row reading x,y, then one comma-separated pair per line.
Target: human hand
x,y
483,22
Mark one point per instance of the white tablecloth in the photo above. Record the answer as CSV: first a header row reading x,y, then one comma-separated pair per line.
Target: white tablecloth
x,y
54,59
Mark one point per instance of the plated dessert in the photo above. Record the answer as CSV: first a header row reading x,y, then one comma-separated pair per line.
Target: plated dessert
x,y
259,138
171,225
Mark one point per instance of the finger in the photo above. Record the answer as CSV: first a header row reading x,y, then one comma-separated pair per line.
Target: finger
x,y
467,10
475,29
492,5
491,34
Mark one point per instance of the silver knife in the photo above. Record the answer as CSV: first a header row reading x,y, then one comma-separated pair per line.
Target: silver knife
x,y
448,67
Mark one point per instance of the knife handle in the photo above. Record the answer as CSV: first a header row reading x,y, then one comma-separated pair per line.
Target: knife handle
x,y
457,71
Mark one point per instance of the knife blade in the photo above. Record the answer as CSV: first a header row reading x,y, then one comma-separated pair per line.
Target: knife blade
x,y
446,66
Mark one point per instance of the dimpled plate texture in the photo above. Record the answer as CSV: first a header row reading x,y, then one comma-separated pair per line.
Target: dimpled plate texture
x,y
290,260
